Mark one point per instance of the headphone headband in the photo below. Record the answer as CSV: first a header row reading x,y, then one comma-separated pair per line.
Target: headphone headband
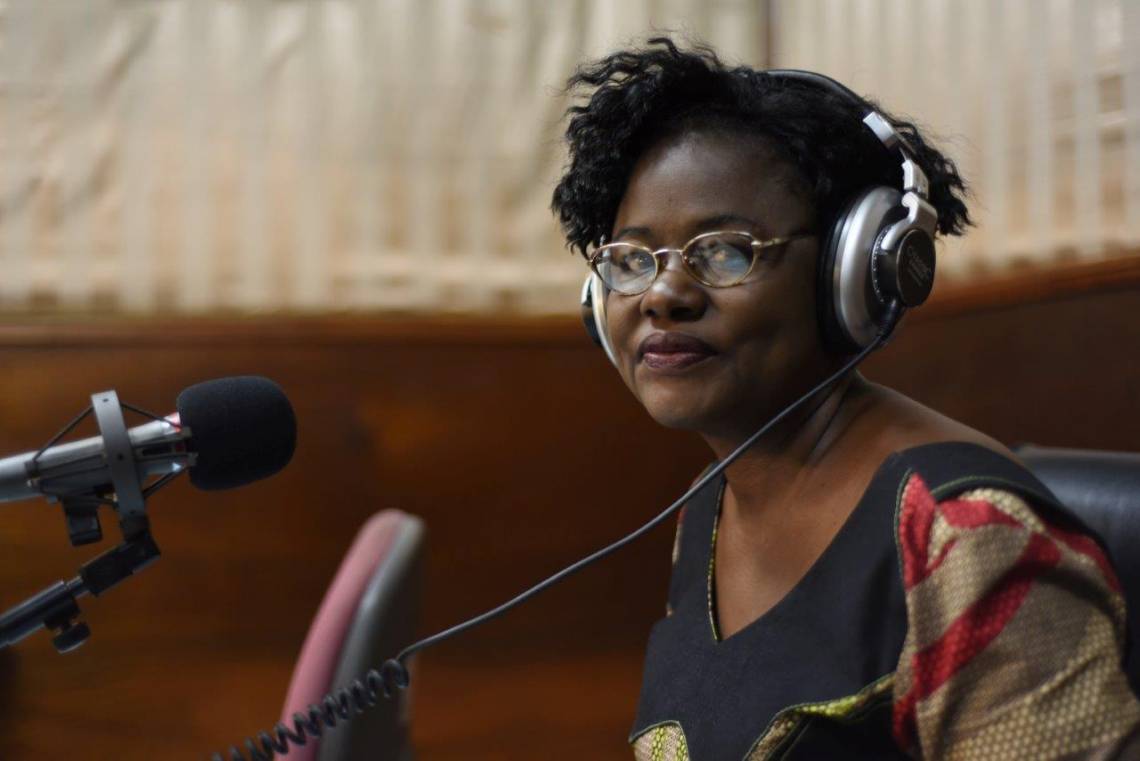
x,y
823,81
876,122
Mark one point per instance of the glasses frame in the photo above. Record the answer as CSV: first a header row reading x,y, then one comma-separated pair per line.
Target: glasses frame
x,y
660,257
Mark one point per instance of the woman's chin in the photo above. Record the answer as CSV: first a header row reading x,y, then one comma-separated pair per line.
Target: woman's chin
x,y
683,414
703,413
678,423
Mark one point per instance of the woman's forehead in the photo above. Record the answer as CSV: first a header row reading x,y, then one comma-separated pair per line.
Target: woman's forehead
x,y
682,182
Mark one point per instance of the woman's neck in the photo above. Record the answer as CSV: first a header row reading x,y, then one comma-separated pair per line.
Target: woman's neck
x,y
790,454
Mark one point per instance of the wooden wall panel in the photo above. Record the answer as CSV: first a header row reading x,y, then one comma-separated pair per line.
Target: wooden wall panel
x,y
520,454
522,451
1064,372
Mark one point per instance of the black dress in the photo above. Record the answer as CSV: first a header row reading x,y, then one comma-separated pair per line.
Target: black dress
x,y
818,675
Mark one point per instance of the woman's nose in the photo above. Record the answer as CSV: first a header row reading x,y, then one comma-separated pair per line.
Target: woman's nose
x,y
674,296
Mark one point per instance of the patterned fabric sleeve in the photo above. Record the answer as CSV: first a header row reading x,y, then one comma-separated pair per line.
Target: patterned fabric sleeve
x,y
1014,635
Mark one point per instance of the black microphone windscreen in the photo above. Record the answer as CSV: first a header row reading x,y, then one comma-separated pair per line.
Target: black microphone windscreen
x,y
242,429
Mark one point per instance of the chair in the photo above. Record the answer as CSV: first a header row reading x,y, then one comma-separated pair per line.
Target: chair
x,y
1102,489
367,615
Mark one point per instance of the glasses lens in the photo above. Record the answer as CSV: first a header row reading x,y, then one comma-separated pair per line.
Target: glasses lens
x,y
720,258
626,269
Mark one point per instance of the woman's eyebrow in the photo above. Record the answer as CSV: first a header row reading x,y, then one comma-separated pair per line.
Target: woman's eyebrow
x,y
637,232
721,220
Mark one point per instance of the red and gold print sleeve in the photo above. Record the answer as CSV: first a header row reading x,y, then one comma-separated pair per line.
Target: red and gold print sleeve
x,y
1015,630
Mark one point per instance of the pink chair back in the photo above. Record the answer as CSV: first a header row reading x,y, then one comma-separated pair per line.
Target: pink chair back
x,y
317,664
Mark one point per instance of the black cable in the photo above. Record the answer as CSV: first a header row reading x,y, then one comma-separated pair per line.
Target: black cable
x,y
363,694
151,415
161,482
357,697
637,534
66,430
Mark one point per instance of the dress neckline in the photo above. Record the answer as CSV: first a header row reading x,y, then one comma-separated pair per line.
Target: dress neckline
x,y
789,599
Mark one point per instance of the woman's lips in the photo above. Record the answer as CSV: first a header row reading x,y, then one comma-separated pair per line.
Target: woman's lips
x,y
673,351
672,360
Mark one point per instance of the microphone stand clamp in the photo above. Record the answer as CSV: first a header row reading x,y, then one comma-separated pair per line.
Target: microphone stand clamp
x,y
56,608
81,513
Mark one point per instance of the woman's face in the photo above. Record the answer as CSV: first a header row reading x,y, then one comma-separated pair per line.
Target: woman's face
x,y
720,361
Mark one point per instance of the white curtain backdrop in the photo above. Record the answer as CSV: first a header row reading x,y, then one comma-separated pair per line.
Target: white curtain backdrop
x,y
203,156
1038,101
300,155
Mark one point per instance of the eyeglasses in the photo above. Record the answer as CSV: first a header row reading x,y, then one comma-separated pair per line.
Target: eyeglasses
x,y
716,259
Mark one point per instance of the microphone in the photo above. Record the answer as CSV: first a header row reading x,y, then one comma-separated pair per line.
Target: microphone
x,y
242,429
229,432
226,432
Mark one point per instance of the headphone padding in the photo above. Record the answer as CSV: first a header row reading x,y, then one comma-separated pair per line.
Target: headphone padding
x,y
851,309
825,301
593,303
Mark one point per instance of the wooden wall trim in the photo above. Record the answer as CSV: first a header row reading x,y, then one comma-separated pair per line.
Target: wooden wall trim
x,y
1028,287
294,330
1033,286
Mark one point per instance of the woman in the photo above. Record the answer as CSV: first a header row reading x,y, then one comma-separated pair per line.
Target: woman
x,y
870,579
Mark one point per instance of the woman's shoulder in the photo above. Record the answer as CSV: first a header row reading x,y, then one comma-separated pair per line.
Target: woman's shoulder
x,y
948,454
897,423
886,427
1015,619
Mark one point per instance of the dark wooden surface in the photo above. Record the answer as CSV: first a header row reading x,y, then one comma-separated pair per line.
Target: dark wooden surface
x,y
521,450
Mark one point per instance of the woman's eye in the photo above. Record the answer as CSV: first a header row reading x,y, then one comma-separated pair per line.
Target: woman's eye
x,y
725,255
637,262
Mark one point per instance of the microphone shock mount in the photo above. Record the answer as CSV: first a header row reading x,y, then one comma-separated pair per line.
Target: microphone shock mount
x,y
56,608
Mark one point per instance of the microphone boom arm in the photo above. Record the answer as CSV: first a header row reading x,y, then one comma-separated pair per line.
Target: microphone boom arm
x,y
56,608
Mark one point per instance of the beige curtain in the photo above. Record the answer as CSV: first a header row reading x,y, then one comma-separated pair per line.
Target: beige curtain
x,y
247,156
265,155
1038,101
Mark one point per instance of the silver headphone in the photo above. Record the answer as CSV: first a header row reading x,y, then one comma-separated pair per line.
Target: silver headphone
x,y
880,249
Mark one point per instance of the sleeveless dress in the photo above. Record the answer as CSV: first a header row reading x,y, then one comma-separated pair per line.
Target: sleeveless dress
x,y
946,619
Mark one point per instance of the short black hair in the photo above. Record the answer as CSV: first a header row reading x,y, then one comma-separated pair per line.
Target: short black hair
x,y
638,96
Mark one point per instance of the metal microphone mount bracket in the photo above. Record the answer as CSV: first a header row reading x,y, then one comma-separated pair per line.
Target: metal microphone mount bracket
x,y
56,608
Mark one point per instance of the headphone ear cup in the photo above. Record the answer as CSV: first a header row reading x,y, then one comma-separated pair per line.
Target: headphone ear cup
x,y
833,336
905,272
850,311
589,319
